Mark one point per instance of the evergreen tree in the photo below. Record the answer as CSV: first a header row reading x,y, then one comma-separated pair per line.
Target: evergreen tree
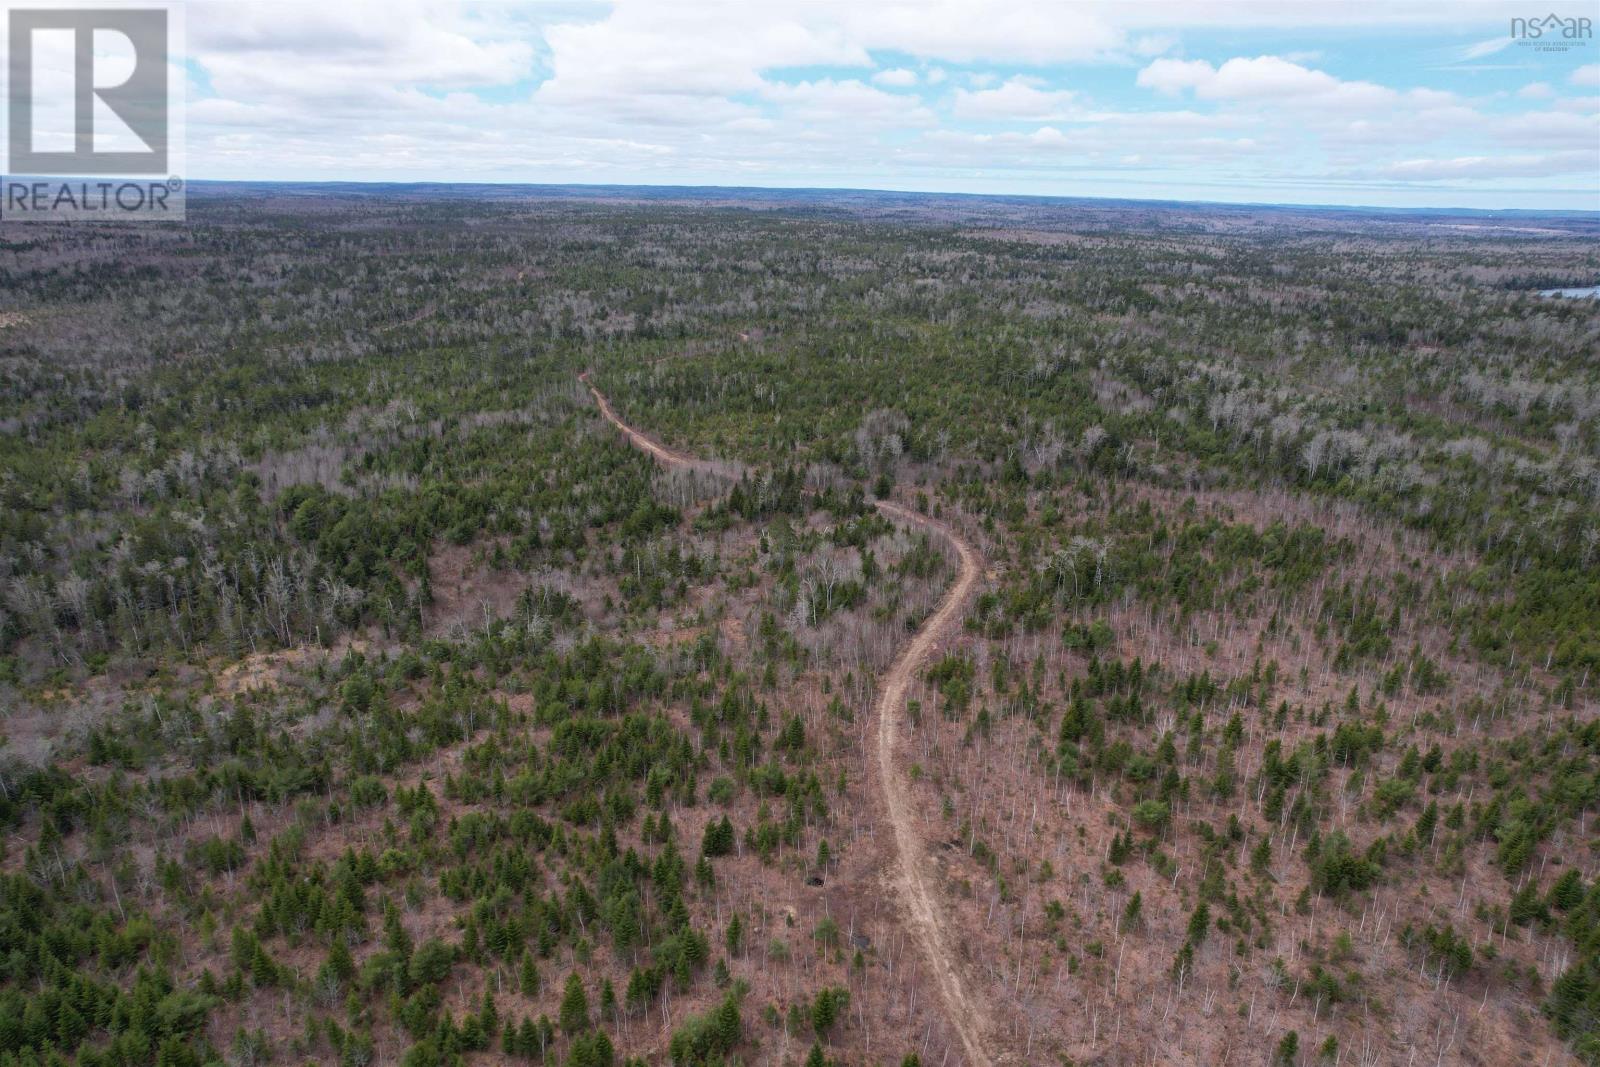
x,y
1131,915
528,979
574,1013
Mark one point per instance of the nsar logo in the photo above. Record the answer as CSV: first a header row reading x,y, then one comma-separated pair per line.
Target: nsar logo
x,y
1553,33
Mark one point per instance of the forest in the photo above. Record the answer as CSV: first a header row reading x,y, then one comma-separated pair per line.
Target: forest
x,y
449,628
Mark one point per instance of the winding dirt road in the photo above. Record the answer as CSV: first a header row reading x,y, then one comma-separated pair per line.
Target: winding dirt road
x,y
924,913
642,441
911,879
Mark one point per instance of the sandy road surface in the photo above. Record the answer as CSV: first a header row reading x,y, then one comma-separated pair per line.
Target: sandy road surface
x,y
924,913
642,441
911,878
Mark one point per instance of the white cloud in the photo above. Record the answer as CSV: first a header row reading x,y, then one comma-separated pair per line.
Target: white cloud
x,y
1551,129
1267,76
1262,78
665,49
1582,105
829,103
898,78
705,90
348,50
1152,44
966,31
1523,166
1483,48
1015,100
1276,91
1108,144
1175,75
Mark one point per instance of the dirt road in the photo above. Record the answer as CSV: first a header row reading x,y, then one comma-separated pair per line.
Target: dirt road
x,y
924,914
911,878
642,441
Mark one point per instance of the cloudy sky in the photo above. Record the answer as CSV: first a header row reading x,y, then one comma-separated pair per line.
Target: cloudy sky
x,y
1336,101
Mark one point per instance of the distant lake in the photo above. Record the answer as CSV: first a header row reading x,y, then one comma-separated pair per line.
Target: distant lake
x,y
1589,293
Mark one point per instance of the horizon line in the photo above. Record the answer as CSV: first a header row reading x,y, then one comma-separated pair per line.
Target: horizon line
x,y
845,189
